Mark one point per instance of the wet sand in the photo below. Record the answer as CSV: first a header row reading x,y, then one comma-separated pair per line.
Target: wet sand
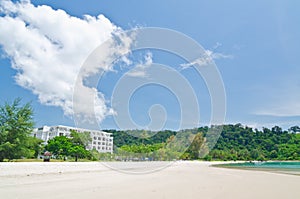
x,y
176,181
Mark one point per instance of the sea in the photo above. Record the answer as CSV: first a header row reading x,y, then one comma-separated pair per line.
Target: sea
x,y
287,167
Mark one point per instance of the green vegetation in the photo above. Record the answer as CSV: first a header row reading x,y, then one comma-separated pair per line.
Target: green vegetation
x,y
16,143
16,124
75,146
137,137
236,142
243,143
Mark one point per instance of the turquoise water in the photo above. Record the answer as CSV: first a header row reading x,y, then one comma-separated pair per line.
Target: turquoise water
x,y
283,167
271,165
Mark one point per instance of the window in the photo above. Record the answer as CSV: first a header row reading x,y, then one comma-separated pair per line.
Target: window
x,y
61,134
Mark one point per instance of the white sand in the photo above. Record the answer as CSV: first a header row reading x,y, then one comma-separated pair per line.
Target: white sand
x,y
182,180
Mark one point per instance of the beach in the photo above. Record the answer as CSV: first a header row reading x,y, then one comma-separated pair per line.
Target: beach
x,y
182,179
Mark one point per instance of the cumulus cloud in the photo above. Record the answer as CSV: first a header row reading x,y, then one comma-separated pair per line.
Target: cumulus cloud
x,y
47,47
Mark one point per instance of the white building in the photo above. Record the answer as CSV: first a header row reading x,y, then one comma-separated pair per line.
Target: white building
x,y
101,141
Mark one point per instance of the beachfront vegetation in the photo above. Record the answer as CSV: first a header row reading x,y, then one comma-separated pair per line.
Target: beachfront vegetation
x,y
16,125
226,142
73,146
243,143
236,142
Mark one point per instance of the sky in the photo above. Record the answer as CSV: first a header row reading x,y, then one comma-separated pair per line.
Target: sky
x,y
254,45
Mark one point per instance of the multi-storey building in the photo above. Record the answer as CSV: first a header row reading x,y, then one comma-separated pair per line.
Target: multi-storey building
x,y
101,141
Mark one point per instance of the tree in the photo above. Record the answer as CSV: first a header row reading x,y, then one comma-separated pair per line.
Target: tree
x,y
196,146
65,146
35,145
59,146
81,138
16,125
78,151
294,129
80,142
277,130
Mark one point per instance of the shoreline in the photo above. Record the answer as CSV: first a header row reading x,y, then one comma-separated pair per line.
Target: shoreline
x,y
43,168
182,179
235,165
270,170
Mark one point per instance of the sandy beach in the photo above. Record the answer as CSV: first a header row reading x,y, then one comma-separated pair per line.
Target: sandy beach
x,y
179,180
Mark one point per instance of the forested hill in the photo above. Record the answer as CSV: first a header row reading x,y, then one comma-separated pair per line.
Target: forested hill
x,y
236,142
137,137
243,143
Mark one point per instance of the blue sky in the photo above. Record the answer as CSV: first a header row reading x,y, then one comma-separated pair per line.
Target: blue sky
x,y
255,45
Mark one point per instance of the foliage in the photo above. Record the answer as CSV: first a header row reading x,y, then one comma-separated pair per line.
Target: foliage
x,y
236,142
35,146
59,146
294,129
16,125
82,139
196,147
189,146
243,143
142,148
137,137
62,146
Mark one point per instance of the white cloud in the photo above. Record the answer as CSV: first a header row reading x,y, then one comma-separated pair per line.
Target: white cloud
x,y
287,109
282,98
215,55
208,57
140,69
148,59
126,61
47,47
217,45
